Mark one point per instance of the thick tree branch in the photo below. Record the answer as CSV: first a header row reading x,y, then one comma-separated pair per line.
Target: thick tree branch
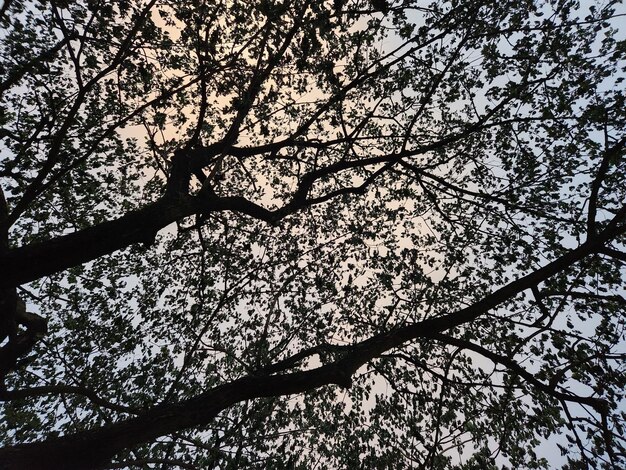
x,y
620,255
13,313
294,360
34,261
96,447
31,262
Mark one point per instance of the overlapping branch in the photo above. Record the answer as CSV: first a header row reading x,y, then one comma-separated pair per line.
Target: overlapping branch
x,y
97,446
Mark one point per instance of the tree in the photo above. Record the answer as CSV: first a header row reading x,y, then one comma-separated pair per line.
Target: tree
x,y
287,234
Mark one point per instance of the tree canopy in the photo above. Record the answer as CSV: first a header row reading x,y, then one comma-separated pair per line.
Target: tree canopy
x,y
302,234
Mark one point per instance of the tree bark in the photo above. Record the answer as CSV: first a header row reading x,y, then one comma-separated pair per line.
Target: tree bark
x,y
30,262
95,448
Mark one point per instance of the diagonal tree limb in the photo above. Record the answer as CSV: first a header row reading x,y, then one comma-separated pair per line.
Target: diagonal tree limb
x,y
95,447
619,255
30,262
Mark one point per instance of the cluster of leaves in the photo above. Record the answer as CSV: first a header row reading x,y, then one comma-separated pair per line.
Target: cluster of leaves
x,y
411,159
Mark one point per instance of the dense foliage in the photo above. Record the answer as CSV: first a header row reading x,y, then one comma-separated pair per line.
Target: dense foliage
x,y
306,234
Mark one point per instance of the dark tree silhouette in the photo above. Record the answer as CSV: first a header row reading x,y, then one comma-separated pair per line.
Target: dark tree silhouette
x,y
301,234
